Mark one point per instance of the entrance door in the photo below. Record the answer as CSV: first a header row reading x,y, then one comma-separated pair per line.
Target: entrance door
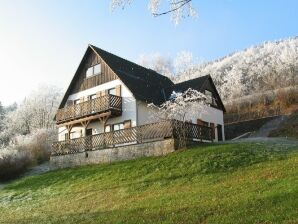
x,y
89,139
219,132
88,132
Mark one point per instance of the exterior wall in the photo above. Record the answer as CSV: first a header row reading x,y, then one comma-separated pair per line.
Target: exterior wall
x,y
213,115
209,114
145,115
109,155
128,108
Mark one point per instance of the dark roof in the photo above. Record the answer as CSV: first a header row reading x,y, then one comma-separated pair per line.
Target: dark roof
x,y
144,83
198,84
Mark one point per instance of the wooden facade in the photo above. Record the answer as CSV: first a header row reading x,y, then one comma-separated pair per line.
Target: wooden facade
x,y
135,135
81,82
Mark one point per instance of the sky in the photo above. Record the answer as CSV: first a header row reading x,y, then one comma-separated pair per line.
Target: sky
x,y
43,41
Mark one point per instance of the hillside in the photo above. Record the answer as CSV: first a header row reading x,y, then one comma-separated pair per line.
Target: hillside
x,y
229,183
269,66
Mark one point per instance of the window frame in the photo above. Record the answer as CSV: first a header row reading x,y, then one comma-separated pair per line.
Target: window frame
x,y
93,70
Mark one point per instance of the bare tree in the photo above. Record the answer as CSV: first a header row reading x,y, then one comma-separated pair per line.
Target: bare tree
x,y
177,8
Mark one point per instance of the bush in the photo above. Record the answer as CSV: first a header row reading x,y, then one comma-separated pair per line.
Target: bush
x,y
24,152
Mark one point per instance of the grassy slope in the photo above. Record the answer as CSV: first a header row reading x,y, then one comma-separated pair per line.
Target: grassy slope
x,y
239,183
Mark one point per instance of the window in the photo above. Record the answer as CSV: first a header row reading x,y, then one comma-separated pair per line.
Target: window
x,y
97,69
76,102
117,127
112,91
91,97
94,70
107,128
209,96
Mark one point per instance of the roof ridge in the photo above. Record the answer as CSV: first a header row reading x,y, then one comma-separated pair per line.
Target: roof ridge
x,y
127,60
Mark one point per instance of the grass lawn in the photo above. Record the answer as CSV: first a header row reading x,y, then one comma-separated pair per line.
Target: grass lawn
x,y
228,183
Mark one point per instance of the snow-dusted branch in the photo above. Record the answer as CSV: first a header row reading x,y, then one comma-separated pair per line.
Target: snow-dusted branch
x,y
183,106
178,9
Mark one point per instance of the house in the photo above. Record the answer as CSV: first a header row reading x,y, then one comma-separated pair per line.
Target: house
x,y
108,94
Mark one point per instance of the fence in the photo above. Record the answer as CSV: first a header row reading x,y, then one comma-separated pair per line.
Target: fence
x,y
135,135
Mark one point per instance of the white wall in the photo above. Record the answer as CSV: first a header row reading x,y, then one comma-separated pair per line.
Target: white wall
x,y
144,114
128,107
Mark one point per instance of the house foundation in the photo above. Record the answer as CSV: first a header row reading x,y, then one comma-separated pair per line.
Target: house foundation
x,y
110,155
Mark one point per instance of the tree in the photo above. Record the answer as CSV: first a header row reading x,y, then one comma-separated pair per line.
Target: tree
x,y
181,106
1,116
157,62
177,8
37,111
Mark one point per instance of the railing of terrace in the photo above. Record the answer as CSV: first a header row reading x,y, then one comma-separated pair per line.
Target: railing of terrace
x,y
135,135
97,105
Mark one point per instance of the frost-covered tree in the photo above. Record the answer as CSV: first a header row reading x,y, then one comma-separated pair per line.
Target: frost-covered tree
x,y
177,8
272,65
157,62
1,116
183,63
183,106
35,112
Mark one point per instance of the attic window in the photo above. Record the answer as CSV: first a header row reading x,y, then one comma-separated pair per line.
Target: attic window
x,y
210,99
94,70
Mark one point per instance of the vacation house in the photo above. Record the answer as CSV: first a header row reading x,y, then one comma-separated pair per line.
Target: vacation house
x,y
105,106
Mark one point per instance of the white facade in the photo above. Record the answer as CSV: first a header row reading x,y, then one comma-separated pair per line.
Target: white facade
x,y
128,110
134,110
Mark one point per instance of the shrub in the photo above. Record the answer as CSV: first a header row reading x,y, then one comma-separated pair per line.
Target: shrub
x,y
25,151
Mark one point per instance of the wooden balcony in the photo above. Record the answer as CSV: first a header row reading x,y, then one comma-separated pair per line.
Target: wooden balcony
x,y
107,103
135,135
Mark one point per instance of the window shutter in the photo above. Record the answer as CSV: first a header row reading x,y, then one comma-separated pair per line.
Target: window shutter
x,y
98,94
118,90
127,124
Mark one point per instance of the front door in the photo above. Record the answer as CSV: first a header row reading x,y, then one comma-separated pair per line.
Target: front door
x,y
88,132
219,132
88,139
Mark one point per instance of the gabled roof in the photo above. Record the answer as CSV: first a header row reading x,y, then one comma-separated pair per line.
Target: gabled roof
x,y
198,84
145,84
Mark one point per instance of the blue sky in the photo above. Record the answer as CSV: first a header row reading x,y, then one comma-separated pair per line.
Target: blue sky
x,y
43,41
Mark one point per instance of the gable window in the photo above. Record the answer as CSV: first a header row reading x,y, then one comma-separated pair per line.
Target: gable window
x,y
210,99
209,96
94,70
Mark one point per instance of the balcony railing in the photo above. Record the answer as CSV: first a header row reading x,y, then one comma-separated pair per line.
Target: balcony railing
x,y
98,105
135,135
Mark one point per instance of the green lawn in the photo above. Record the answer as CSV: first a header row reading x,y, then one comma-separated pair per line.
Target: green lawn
x,y
228,183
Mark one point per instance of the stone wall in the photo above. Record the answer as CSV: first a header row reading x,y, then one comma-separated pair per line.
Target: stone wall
x,y
109,155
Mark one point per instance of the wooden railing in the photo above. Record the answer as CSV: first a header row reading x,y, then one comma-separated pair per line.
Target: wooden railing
x,y
97,105
135,135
